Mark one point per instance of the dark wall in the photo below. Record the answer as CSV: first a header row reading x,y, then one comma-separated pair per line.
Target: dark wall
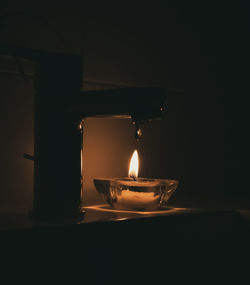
x,y
16,138
199,51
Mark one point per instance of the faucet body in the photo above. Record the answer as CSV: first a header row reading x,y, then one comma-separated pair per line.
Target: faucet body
x,y
59,108
58,140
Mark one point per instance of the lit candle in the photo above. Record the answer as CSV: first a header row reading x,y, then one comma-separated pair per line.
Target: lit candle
x,y
137,193
133,193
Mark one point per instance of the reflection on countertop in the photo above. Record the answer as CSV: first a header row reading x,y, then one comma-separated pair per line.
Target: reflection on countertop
x,y
104,213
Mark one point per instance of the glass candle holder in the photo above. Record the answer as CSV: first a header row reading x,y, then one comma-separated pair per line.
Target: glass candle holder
x,y
140,194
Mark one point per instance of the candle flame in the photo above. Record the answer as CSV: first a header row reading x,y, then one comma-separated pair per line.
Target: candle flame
x,y
134,165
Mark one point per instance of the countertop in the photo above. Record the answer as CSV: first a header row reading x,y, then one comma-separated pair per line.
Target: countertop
x,y
208,223
113,246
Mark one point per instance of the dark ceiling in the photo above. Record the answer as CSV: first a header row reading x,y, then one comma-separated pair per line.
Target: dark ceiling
x,y
178,43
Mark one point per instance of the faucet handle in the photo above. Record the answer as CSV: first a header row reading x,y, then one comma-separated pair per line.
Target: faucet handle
x,y
28,156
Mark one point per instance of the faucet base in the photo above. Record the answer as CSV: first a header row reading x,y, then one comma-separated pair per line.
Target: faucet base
x,y
57,216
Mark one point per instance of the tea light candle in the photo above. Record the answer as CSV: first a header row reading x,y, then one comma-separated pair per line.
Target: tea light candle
x,y
132,193
136,192
136,200
139,185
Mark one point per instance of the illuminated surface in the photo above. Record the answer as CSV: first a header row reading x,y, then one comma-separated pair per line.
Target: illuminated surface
x,y
104,212
107,208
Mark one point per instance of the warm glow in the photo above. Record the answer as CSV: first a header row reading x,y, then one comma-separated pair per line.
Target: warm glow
x,y
134,165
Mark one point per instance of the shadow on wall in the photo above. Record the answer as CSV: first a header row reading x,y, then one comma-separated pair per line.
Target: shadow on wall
x,y
16,125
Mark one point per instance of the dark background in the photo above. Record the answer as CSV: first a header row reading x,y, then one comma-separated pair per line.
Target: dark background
x,y
198,50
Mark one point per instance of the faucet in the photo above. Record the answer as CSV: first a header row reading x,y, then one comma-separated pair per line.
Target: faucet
x,y
140,104
60,108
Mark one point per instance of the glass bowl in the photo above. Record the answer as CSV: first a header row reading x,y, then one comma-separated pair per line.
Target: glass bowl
x,y
142,194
